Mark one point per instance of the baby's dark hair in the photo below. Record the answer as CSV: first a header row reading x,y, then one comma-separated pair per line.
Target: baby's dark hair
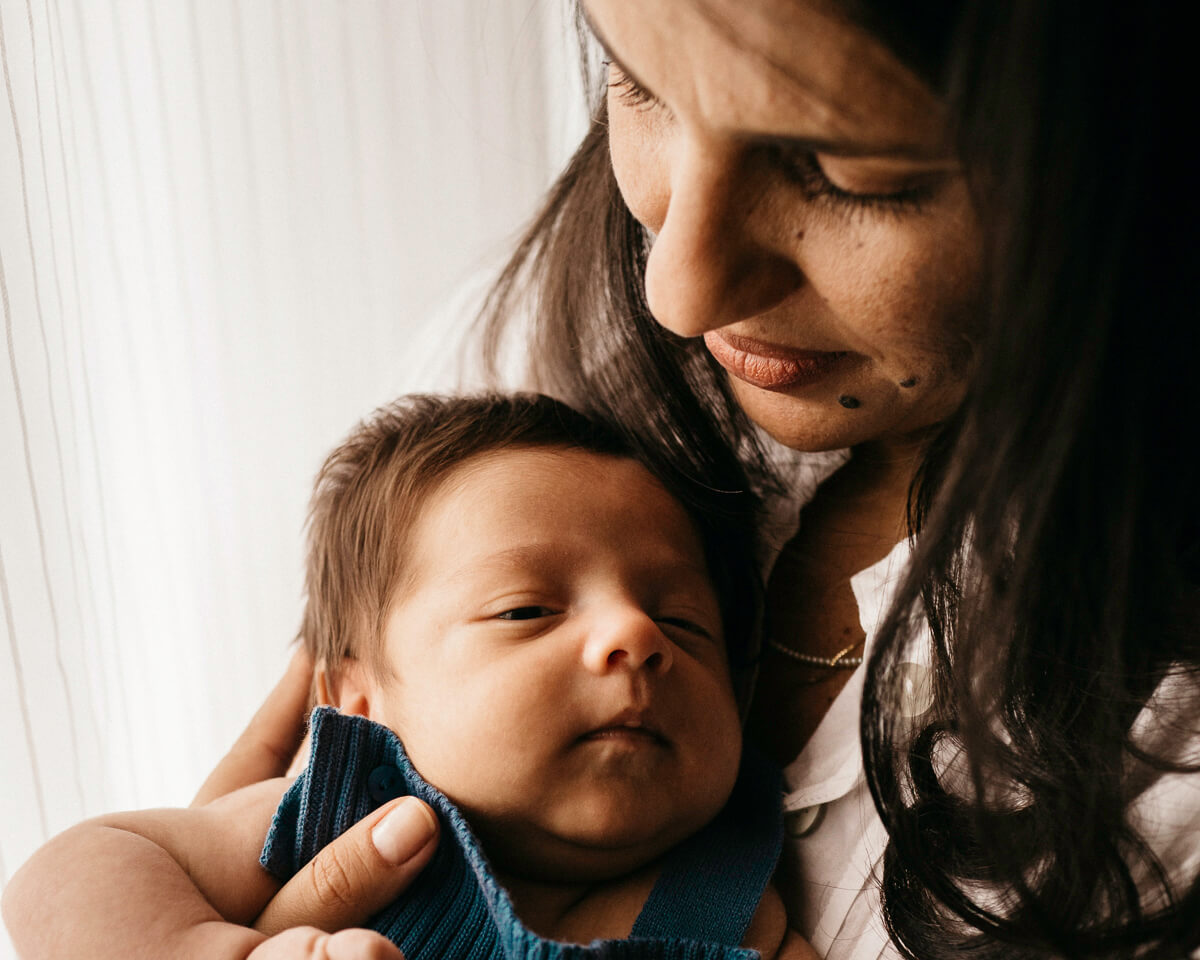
x,y
370,491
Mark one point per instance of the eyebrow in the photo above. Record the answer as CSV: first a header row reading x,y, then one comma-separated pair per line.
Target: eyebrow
x,y
512,558
832,148
935,160
525,556
608,50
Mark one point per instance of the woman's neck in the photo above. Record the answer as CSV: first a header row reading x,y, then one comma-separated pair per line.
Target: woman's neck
x,y
872,489
860,512
857,516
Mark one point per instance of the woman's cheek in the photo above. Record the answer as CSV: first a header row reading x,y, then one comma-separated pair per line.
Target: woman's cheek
x,y
639,164
898,286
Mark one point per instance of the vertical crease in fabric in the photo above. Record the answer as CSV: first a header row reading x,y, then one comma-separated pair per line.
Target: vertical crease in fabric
x,y
169,162
19,676
68,516
35,502
88,392
90,585
254,219
207,158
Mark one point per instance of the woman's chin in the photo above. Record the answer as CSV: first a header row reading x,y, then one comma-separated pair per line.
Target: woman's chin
x,y
847,415
811,422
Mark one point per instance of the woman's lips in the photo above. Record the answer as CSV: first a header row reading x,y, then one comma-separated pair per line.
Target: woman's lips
x,y
767,365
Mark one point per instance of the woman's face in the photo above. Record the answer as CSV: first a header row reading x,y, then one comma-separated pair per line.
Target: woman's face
x,y
809,218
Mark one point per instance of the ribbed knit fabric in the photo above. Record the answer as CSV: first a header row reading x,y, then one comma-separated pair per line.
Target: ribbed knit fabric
x,y
699,909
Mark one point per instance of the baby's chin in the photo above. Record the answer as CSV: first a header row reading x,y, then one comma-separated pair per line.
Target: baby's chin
x,y
586,847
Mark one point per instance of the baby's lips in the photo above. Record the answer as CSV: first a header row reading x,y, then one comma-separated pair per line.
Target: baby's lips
x,y
634,721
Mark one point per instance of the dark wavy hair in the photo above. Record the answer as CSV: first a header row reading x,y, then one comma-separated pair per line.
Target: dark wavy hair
x,y
1058,560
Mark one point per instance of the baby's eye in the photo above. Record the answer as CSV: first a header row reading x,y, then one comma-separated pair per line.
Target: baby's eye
x,y
690,626
525,613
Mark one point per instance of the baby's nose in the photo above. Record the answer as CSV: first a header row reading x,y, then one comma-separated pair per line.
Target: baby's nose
x,y
627,639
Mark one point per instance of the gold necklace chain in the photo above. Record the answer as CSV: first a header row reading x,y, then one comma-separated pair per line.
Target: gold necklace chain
x,y
839,661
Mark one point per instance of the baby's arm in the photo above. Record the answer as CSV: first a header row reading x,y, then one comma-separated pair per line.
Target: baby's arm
x,y
165,882
769,933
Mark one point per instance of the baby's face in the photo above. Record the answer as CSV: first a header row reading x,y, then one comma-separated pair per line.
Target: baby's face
x,y
558,665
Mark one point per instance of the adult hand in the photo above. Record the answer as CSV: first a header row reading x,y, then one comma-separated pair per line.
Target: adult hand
x,y
352,878
269,743
359,873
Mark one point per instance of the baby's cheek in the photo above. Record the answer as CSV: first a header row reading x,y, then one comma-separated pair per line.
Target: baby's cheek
x,y
730,748
470,763
717,750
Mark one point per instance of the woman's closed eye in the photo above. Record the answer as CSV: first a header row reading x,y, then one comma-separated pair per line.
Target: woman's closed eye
x,y
804,166
630,92
890,194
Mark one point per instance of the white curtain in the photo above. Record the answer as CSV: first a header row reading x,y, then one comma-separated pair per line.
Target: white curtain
x,y
228,228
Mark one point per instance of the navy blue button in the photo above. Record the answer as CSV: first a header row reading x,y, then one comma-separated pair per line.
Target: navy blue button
x,y
384,783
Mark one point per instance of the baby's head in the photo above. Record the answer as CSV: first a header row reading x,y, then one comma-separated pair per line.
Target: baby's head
x,y
502,583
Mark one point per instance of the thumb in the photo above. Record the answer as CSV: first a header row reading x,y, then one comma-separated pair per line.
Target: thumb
x,y
359,873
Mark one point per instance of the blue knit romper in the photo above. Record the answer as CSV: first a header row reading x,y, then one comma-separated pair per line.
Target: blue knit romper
x,y
699,909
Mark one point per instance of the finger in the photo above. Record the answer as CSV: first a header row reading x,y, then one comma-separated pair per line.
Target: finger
x,y
267,745
309,943
359,873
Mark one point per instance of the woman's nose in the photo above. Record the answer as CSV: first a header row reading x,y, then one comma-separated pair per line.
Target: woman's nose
x,y
626,639
712,263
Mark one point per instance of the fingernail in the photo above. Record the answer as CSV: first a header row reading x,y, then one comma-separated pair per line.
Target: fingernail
x,y
403,833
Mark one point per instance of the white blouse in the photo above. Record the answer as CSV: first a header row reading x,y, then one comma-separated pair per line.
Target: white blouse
x,y
834,841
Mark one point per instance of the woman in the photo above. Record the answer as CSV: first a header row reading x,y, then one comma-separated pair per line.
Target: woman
x,y
938,234
952,237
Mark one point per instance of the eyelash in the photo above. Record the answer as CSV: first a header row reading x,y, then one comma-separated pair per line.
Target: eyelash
x,y
629,91
804,169
688,625
539,612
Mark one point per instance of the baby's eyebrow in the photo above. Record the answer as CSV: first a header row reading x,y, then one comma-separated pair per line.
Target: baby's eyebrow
x,y
523,557
559,556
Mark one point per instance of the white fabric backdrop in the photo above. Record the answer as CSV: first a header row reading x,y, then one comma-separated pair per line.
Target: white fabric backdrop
x,y
226,227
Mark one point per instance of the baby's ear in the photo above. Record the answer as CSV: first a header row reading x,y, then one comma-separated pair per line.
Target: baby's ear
x,y
350,688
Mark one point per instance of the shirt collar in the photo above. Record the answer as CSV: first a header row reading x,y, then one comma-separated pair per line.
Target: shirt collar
x,y
831,762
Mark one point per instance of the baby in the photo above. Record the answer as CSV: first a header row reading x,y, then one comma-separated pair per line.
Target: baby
x,y
522,626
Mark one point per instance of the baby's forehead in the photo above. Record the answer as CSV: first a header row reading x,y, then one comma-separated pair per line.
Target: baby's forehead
x,y
556,472
538,506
